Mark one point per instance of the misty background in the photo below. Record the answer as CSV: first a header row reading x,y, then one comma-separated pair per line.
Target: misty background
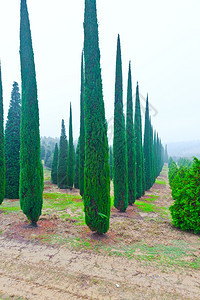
x,y
160,38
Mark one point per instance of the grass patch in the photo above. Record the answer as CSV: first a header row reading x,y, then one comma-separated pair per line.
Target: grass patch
x,y
150,198
160,182
9,206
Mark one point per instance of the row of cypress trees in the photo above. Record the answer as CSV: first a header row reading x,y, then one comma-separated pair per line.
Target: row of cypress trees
x,y
136,161
63,164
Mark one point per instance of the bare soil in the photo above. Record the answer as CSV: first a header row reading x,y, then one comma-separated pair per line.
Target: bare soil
x,y
36,265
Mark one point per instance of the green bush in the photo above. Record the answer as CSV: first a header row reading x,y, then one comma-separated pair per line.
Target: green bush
x,y
186,192
172,172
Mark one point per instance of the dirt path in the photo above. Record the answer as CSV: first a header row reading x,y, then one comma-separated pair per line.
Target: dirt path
x,y
33,270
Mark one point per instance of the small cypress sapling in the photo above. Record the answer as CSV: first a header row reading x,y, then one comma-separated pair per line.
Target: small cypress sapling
x,y
2,146
70,165
120,179
54,167
31,169
62,159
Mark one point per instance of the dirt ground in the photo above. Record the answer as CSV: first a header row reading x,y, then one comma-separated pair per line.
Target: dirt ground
x,y
141,257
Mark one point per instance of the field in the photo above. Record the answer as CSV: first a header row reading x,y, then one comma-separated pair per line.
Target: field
x,y
141,257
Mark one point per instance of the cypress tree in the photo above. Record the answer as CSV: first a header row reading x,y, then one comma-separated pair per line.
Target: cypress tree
x,y
97,170
76,175
130,143
111,162
54,167
70,165
82,133
166,154
2,146
62,159
147,148
138,146
155,153
119,141
31,170
12,144
153,170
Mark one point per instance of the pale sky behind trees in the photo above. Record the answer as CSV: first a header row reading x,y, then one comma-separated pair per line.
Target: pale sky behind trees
x,y
161,38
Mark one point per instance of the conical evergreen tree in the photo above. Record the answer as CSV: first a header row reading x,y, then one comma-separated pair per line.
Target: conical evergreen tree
x,y
138,147
31,170
82,133
12,144
97,170
62,159
70,165
2,146
111,162
147,148
152,154
76,175
166,154
130,143
120,179
54,167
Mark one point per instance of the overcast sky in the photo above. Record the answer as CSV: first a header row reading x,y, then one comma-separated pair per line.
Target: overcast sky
x,y
161,38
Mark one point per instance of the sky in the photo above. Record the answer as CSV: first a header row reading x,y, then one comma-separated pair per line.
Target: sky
x,y
160,38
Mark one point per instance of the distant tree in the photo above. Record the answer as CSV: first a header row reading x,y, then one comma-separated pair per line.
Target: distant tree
x,y
2,146
96,169
138,147
166,154
111,162
76,175
70,166
12,144
130,143
82,133
119,142
31,170
54,167
62,159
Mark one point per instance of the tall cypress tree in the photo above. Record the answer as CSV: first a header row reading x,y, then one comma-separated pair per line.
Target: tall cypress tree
x,y
97,170
166,155
82,133
54,167
12,144
31,170
70,165
2,146
111,162
138,146
119,141
76,174
147,148
62,159
152,154
130,143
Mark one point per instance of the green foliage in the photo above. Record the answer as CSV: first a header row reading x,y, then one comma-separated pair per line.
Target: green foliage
x,y
147,148
186,192
172,172
47,150
62,159
31,170
82,133
184,162
96,170
111,162
138,147
2,146
54,167
166,155
119,142
12,144
170,161
76,175
70,165
131,159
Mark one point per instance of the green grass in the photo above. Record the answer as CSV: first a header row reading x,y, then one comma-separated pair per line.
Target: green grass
x,y
160,182
150,198
8,206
